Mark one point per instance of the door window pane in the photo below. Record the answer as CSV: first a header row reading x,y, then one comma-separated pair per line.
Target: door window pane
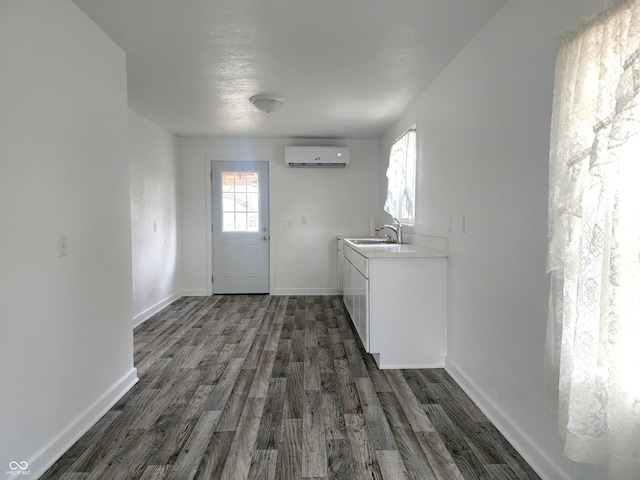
x,y
252,182
228,184
252,222
240,181
252,202
241,222
240,201
228,222
227,202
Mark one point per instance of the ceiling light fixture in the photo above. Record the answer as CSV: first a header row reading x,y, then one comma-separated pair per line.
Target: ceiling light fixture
x,y
267,103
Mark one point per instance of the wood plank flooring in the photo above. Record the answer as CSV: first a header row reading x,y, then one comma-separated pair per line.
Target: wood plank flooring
x,y
261,387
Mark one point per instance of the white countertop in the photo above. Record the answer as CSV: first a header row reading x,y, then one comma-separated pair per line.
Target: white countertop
x,y
388,250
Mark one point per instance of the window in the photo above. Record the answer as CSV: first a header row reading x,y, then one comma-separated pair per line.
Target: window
x,y
240,202
401,178
593,334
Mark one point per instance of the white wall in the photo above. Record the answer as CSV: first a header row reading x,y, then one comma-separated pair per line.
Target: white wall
x,y
483,135
303,259
154,222
65,322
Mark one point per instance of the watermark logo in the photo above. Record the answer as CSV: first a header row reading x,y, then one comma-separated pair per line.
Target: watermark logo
x,y
18,468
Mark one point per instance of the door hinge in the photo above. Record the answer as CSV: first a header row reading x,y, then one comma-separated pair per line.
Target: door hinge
x,y
210,175
212,227
211,278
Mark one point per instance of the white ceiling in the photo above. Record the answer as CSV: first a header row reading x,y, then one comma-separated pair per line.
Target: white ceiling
x,y
348,68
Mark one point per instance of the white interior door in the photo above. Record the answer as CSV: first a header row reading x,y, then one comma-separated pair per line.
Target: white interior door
x,y
240,224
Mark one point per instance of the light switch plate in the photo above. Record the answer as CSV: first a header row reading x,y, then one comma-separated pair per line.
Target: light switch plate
x,y
63,245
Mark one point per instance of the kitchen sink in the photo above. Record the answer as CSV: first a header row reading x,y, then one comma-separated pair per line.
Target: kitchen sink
x,y
369,241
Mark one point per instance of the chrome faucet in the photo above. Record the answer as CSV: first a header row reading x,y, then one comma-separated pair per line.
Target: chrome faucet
x,y
396,228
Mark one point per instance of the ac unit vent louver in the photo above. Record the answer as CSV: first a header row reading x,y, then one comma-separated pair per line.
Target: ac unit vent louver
x,y
316,157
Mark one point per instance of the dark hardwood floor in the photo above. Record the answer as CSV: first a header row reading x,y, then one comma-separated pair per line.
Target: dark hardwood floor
x,y
261,387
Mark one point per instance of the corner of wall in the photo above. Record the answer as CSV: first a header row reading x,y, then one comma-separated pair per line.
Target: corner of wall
x,y
149,312
533,453
48,455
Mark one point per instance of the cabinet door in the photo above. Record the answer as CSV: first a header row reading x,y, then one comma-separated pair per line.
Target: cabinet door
x,y
356,301
347,292
408,319
340,265
360,294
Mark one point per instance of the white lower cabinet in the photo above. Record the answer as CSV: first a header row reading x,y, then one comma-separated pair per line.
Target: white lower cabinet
x,y
347,295
355,288
398,306
360,318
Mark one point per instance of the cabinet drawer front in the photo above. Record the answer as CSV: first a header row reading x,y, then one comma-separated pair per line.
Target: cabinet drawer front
x,y
357,260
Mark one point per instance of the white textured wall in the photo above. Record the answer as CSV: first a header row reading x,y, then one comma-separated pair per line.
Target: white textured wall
x,y
483,140
154,221
65,323
303,259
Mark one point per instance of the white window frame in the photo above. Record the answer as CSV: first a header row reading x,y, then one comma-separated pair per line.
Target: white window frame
x,y
402,177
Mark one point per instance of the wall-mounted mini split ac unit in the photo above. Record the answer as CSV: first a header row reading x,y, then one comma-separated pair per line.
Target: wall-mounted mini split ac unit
x,y
316,157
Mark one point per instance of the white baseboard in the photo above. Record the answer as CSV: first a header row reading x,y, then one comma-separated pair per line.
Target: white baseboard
x,y
194,293
305,291
51,452
408,367
275,292
535,456
153,309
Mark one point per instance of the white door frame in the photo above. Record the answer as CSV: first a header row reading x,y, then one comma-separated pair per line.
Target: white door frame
x,y
208,211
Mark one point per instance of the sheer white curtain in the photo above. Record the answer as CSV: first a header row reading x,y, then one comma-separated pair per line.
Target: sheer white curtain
x,y
401,178
593,335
